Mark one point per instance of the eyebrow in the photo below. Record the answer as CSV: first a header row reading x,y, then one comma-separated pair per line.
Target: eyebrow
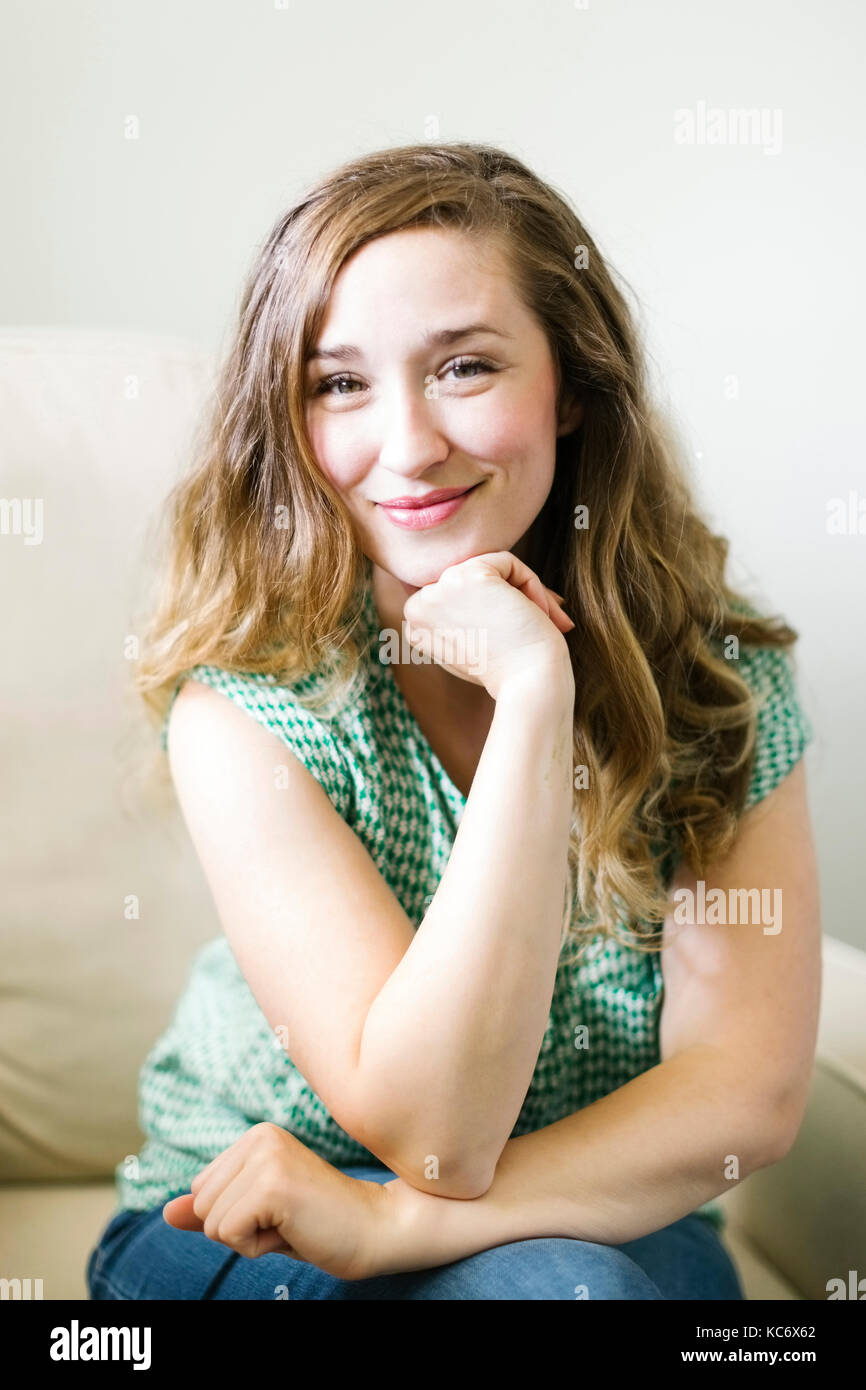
x,y
442,337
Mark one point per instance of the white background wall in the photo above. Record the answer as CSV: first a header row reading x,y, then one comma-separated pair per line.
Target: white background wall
x,y
747,262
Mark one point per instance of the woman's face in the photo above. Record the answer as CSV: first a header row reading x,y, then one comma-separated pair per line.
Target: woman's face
x,y
429,373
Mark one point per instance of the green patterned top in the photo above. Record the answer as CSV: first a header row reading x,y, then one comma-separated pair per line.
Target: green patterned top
x,y
218,1068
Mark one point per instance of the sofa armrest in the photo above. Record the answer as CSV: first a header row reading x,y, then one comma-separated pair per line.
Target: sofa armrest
x,y
806,1215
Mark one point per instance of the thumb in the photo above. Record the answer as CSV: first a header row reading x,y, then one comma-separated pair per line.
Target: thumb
x,y
178,1212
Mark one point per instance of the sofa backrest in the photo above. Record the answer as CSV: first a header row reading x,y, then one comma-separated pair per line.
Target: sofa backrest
x,y
95,427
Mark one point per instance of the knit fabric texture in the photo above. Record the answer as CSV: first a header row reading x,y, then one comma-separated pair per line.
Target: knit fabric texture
x,y
219,1068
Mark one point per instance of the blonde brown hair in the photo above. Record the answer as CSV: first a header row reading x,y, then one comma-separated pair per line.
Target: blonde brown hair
x,y
264,574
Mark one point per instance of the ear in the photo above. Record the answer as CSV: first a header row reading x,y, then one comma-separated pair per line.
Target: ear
x,y
570,416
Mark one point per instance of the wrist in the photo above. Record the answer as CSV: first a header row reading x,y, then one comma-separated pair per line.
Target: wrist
x,y
402,1229
407,1232
417,1230
548,679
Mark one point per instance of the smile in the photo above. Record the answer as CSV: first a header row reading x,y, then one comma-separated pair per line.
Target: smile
x,y
423,517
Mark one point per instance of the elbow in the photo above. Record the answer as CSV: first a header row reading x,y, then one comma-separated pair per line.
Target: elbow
x,y
441,1175
783,1121
777,1144
468,1185
449,1179
447,1173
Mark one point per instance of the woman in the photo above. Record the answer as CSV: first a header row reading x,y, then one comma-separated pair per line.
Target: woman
x,y
486,1021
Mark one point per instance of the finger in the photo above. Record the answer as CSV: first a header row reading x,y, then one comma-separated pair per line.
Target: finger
x,y
242,1213
272,1242
201,1177
557,613
518,573
559,616
179,1212
231,1157
204,1173
211,1181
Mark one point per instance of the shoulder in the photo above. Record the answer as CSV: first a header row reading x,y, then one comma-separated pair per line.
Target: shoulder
x,y
783,729
201,715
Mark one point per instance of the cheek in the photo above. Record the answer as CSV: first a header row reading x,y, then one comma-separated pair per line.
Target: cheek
x,y
338,461
520,440
519,426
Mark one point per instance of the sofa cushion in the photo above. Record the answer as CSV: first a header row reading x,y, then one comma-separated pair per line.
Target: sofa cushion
x,y
96,427
48,1231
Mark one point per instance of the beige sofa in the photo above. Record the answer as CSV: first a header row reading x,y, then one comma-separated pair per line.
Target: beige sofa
x,y
96,426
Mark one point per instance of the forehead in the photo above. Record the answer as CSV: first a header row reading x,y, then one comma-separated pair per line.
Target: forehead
x,y
420,273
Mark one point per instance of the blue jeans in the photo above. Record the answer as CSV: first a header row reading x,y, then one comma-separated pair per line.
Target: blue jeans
x,y
139,1256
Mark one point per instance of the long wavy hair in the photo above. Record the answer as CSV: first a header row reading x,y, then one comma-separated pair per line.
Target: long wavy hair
x,y
263,571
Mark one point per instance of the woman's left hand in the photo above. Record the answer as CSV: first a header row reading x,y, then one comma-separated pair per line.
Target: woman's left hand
x,y
269,1193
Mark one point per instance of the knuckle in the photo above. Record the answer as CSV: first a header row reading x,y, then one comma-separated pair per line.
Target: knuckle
x,y
453,574
266,1170
272,1189
268,1134
226,1236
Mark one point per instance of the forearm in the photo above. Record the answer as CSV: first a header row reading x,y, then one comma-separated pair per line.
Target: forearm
x,y
456,1029
631,1163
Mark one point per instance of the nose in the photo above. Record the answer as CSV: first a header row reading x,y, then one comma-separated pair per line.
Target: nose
x,y
411,438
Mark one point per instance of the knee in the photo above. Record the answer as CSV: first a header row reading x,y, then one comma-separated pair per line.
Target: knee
x,y
88,1272
596,1271
552,1268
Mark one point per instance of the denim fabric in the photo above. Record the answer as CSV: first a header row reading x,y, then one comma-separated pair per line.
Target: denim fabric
x,y
139,1256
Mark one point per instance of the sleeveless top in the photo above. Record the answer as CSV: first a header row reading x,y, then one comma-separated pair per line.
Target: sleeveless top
x,y
218,1068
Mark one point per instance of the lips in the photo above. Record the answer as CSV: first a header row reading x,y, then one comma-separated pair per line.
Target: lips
x,y
421,513
429,499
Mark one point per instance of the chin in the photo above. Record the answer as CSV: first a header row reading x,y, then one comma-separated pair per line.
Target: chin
x,y
415,574
410,578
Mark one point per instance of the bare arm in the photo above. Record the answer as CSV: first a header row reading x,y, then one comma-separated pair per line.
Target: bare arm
x,y
634,1161
446,1060
738,1037
458,1024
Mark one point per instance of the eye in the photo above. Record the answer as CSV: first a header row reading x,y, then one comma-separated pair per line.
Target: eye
x,y
462,362
325,387
332,385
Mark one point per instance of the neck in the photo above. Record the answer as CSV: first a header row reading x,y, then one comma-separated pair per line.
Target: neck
x,y
389,596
